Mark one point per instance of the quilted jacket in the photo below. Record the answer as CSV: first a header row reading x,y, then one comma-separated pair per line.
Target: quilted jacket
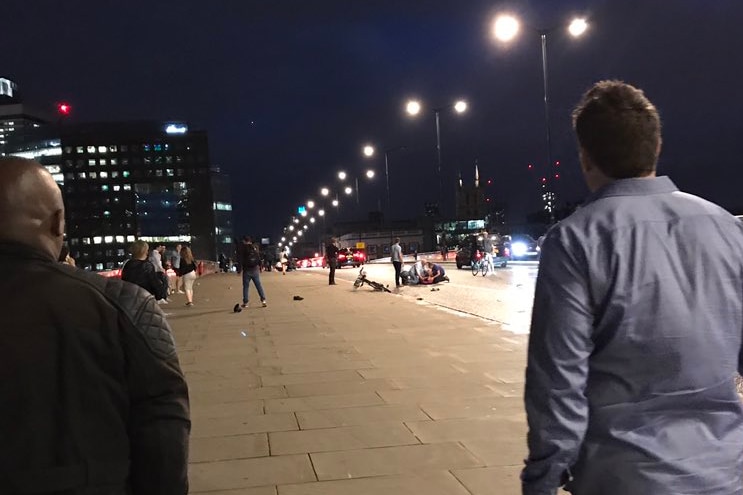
x,y
92,397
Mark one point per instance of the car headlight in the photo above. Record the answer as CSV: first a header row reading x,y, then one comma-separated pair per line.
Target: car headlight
x,y
518,248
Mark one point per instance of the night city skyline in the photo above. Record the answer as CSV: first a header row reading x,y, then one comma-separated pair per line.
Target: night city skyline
x,y
289,93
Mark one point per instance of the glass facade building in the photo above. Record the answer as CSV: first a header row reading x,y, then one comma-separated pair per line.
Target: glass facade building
x,y
134,180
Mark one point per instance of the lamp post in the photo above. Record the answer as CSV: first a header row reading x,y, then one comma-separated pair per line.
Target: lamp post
x,y
413,107
505,29
369,151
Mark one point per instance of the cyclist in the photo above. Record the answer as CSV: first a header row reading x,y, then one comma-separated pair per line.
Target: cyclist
x,y
488,249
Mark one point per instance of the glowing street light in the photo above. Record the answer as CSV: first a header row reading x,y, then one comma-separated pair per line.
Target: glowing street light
x,y
300,233
310,204
321,213
296,220
348,190
324,191
291,227
335,203
577,27
370,174
312,219
283,239
413,107
342,175
305,226
460,106
505,28
368,150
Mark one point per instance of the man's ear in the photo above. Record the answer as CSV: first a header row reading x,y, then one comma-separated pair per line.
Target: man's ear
x,y
58,224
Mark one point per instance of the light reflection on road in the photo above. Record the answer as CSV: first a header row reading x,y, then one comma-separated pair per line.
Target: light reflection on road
x,y
505,296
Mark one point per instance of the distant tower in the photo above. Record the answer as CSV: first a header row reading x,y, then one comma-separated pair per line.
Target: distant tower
x,y
471,199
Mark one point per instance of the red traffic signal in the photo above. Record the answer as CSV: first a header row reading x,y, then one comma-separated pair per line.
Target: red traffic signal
x,y
64,109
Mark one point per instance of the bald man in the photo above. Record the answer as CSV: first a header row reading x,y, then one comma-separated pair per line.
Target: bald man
x,y
92,397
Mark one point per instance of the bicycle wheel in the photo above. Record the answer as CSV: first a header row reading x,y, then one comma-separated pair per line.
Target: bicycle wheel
x,y
485,267
475,268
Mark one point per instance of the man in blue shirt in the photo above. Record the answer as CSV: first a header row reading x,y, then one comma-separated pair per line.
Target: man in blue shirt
x,y
636,330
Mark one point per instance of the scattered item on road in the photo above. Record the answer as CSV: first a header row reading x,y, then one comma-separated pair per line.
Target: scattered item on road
x,y
244,333
298,298
237,308
435,289
361,280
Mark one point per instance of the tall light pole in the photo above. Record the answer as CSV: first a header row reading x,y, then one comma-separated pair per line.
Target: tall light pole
x,y
369,152
413,107
505,29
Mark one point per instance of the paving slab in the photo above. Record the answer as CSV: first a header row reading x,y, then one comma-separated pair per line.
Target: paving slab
x,y
427,483
385,434
245,473
212,449
391,460
503,480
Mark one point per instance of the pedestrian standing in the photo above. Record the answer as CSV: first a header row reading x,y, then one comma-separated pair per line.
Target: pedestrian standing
x,y
140,271
636,328
331,255
93,397
175,261
250,264
396,256
284,259
188,273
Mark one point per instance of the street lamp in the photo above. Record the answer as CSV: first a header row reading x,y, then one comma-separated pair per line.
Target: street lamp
x,y
342,175
505,29
369,152
335,203
310,204
324,191
413,107
348,190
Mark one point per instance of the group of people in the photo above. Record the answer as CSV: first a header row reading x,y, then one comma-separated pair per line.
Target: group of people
x,y
636,336
146,269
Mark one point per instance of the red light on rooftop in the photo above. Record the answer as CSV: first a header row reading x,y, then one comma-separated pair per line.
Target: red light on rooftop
x,y
557,176
64,109
557,163
544,179
530,166
490,181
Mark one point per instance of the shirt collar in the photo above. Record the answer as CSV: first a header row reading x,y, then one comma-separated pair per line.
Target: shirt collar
x,y
19,250
634,187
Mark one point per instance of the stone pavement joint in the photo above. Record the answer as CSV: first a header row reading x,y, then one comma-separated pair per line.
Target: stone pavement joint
x,y
347,392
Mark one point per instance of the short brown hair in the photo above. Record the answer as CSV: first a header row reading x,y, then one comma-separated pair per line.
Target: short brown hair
x,y
139,248
619,129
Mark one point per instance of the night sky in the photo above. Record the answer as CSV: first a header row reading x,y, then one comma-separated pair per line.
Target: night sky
x,y
289,91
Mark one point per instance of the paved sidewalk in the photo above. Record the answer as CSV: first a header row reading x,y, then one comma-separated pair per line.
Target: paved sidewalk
x,y
347,392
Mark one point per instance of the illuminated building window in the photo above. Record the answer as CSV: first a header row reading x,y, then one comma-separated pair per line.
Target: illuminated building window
x,y
114,161
158,173
80,150
102,149
125,173
113,148
92,163
103,162
130,238
92,175
82,175
104,187
170,172
103,175
146,147
114,174
119,238
127,187
97,239
117,188
158,147
91,149
147,160
99,266
109,238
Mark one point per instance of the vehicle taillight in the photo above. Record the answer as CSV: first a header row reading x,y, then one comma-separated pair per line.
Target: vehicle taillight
x,y
478,255
507,252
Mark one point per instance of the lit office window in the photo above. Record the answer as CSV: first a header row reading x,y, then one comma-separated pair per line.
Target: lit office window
x,y
109,238
130,238
99,267
86,241
80,150
103,162
97,239
93,175
92,163
103,175
119,238
127,187
117,188
120,252
125,173
82,175
113,148
114,161
170,172
146,147
158,147
102,149
114,174
91,149
104,187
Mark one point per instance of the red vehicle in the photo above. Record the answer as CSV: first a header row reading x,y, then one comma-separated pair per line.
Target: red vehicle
x,y
354,257
316,261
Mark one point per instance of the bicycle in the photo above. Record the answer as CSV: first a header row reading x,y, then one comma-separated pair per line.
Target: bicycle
x,y
482,264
